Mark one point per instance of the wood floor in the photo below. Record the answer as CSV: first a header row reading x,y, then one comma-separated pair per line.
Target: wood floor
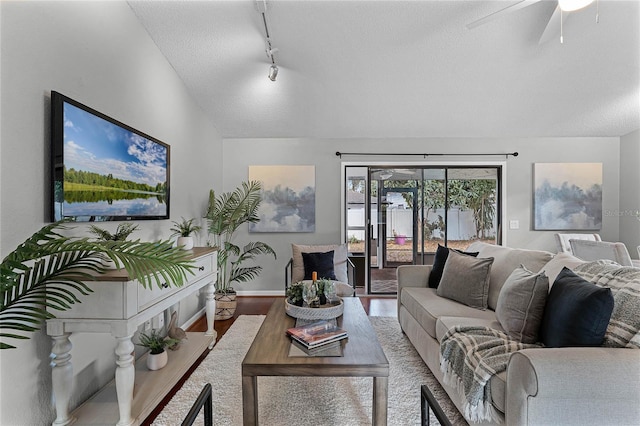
x,y
259,305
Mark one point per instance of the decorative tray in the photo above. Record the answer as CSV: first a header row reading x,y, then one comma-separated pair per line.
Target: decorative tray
x,y
322,312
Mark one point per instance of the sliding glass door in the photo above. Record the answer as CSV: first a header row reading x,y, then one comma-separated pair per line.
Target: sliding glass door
x,y
398,216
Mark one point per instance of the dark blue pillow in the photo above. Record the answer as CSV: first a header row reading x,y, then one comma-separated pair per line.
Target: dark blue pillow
x,y
322,263
577,312
442,254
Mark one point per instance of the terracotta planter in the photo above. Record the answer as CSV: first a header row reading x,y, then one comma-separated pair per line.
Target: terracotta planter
x,y
185,242
400,239
157,361
226,304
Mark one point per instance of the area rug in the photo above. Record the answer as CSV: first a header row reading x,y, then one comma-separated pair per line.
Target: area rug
x,y
298,401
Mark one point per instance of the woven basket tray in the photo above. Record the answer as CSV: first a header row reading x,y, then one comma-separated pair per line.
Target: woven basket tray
x,y
323,312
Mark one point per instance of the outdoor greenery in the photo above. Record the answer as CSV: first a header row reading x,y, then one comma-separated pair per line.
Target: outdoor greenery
x,y
225,214
478,195
48,271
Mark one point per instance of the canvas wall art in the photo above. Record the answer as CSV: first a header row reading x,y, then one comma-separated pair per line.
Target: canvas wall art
x,y
288,198
567,196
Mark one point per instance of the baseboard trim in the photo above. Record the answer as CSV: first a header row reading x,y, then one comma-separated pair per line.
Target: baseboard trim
x,y
260,292
199,314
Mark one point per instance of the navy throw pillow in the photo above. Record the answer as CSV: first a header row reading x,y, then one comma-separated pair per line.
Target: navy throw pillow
x,y
322,263
442,254
577,312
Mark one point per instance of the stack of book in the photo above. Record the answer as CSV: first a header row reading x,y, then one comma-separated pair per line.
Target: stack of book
x,y
317,336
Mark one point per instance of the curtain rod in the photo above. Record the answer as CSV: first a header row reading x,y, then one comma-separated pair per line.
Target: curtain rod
x,y
425,155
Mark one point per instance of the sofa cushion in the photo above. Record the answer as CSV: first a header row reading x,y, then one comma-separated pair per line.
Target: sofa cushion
x,y
339,260
559,261
425,306
439,260
577,312
321,263
505,261
466,279
521,304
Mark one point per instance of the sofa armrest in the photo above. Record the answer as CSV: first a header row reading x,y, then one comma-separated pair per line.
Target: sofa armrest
x,y
573,386
412,276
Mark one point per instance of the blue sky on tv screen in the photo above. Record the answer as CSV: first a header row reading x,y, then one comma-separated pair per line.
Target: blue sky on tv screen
x,y
96,145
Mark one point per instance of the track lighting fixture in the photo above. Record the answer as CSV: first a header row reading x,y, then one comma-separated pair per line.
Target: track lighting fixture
x,y
273,72
261,5
572,6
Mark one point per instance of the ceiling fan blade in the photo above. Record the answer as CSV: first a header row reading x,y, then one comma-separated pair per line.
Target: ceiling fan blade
x,y
511,8
553,26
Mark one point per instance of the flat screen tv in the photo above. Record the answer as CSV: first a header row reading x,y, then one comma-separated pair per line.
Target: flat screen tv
x,y
104,170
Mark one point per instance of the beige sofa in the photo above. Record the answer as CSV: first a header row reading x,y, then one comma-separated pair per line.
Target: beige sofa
x,y
547,386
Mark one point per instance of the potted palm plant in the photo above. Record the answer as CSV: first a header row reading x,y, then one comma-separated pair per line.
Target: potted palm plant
x,y
225,214
157,344
122,232
48,271
184,230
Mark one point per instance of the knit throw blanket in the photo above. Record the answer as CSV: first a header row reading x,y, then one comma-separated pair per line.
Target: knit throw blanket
x,y
624,281
469,358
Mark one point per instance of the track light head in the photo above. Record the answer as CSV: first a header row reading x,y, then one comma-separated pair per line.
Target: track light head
x,y
273,72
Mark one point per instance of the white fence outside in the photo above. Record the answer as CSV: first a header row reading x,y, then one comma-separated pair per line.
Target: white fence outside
x,y
460,224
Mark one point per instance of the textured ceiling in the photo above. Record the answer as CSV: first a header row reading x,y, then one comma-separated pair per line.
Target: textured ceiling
x,y
361,69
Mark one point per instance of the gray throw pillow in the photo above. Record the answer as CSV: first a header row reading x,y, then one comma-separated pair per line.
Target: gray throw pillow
x,y
465,279
521,304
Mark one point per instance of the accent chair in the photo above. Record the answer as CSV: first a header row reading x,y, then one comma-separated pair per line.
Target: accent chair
x,y
562,240
596,250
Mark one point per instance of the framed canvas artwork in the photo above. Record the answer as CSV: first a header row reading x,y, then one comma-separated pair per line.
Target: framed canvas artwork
x,y
288,198
567,196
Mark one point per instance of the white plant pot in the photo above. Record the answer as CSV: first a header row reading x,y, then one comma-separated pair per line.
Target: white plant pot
x,y
185,242
157,361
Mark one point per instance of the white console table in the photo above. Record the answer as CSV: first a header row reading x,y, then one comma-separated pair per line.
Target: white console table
x,y
119,305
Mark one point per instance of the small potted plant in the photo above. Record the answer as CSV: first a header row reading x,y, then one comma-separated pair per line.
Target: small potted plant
x,y
157,344
122,233
399,239
184,230
294,293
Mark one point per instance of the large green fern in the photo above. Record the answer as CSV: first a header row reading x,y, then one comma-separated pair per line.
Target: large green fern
x,y
49,270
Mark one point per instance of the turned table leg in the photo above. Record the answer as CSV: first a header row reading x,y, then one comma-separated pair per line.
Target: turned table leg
x,y
62,377
210,311
125,378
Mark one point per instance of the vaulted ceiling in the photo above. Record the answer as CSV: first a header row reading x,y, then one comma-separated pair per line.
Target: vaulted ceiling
x,y
361,69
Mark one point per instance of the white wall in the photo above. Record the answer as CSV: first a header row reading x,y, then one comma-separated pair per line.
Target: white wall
x,y
240,153
630,191
98,54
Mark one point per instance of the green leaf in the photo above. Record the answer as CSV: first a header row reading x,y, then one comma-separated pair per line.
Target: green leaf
x,y
49,271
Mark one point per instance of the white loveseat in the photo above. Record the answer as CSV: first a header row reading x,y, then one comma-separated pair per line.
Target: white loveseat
x,y
542,386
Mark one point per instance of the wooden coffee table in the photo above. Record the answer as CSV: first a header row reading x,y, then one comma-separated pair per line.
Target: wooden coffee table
x,y
269,356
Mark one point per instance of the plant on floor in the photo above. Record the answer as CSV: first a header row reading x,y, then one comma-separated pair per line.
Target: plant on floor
x,y
48,272
225,214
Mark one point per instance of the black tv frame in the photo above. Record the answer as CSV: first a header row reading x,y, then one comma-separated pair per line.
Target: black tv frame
x,y
57,162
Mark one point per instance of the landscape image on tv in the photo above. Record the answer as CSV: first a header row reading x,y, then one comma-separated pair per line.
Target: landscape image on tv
x,y
109,171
